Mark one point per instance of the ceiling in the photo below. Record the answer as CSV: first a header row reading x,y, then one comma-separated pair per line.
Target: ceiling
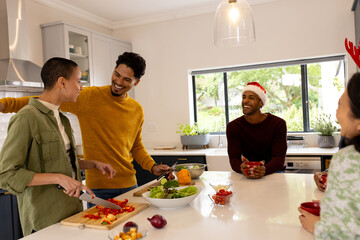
x,y
115,14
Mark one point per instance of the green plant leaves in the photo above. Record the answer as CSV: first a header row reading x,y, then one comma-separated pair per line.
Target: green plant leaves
x,y
324,125
188,130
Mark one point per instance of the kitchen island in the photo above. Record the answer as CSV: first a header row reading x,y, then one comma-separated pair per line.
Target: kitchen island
x,y
260,209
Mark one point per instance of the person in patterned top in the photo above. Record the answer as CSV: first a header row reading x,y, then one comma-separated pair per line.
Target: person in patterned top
x,y
340,207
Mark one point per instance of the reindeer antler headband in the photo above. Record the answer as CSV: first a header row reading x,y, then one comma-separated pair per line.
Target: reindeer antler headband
x,y
353,51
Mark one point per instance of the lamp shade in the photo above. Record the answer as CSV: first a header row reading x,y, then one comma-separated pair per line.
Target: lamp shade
x,y
234,24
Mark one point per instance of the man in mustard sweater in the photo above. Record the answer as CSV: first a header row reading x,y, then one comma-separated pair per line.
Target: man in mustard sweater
x,y
111,125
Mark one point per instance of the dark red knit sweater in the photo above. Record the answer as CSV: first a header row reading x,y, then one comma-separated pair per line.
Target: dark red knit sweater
x,y
263,141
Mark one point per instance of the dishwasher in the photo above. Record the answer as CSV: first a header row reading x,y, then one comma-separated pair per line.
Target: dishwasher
x,y
303,164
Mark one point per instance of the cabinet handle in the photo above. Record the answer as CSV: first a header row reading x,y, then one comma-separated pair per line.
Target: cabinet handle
x,y
182,159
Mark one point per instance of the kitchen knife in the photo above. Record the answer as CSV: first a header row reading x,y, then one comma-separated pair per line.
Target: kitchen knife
x,y
98,201
95,200
163,174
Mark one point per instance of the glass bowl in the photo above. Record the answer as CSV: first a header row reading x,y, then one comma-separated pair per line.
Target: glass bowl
x,y
220,185
115,233
220,200
195,169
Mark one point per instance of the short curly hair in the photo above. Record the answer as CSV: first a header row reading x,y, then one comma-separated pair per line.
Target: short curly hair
x,y
133,61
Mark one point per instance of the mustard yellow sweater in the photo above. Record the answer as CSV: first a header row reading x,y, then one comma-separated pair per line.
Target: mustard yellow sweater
x,y
111,133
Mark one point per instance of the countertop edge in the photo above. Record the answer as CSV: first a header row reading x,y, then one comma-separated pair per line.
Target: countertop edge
x,y
311,151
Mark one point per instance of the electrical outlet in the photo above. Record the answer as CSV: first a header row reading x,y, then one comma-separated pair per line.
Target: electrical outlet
x,y
152,127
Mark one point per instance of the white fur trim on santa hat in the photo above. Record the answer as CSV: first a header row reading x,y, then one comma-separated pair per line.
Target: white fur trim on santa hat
x,y
256,90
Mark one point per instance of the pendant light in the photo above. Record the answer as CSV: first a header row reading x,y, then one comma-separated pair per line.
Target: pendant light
x,y
234,24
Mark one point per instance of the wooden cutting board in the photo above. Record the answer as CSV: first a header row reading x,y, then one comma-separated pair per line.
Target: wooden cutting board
x,y
148,188
78,219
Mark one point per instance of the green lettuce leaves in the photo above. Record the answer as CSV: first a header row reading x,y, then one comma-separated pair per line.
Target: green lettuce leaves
x,y
159,192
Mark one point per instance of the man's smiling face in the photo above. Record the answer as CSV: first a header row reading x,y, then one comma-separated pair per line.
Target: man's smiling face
x,y
122,80
251,103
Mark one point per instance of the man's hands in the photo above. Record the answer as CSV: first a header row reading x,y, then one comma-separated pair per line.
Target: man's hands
x,y
308,220
318,181
105,168
102,167
252,172
159,169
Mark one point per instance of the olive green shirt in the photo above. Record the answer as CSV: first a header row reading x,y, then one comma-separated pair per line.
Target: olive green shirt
x,y
34,145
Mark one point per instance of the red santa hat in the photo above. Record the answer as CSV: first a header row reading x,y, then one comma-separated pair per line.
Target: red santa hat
x,y
256,88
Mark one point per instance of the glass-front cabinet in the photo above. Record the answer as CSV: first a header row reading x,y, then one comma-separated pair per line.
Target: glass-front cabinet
x,y
63,40
95,53
79,53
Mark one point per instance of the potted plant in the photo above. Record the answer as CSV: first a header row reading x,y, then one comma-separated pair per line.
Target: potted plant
x,y
325,128
191,135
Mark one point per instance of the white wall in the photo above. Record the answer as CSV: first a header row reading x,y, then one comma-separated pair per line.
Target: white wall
x,y
285,29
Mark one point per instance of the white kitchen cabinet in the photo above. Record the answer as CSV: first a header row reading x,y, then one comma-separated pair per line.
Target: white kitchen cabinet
x,y
105,53
63,40
98,54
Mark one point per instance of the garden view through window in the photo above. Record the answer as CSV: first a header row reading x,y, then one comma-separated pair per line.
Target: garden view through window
x,y
298,91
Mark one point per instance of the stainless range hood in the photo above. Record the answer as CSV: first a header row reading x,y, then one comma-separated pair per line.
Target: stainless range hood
x,y
17,73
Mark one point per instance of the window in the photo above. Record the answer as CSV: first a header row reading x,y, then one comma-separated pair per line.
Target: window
x,y
298,91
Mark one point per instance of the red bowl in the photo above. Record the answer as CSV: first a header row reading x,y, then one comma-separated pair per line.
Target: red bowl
x,y
311,207
324,178
252,164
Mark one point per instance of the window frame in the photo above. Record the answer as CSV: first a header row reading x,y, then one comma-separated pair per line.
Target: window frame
x,y
304,81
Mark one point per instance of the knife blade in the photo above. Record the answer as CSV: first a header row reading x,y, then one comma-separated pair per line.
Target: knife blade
x,y
98,201
163,174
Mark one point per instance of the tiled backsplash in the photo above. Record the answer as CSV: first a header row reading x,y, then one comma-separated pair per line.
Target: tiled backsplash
x,y
5,118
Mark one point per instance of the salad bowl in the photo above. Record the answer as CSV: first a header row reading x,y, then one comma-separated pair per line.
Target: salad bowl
x,y
173,202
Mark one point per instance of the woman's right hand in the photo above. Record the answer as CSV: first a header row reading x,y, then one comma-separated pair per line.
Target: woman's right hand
x,y
73,187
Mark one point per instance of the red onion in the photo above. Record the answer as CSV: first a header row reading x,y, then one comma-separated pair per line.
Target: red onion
x,y
158,221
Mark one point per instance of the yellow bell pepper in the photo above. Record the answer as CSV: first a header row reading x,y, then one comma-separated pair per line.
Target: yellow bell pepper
x,y
184,176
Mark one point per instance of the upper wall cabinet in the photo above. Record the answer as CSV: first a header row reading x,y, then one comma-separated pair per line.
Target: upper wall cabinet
x,y
105,53
356,9
95,53
63,40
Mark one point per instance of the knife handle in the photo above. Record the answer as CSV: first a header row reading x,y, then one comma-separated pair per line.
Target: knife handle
x,y
61,188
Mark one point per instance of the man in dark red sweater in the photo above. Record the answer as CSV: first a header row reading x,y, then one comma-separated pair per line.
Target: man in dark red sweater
x,y
256,136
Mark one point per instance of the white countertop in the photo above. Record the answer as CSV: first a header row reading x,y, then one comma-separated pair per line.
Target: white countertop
x,y
312,151
260,209
223,151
